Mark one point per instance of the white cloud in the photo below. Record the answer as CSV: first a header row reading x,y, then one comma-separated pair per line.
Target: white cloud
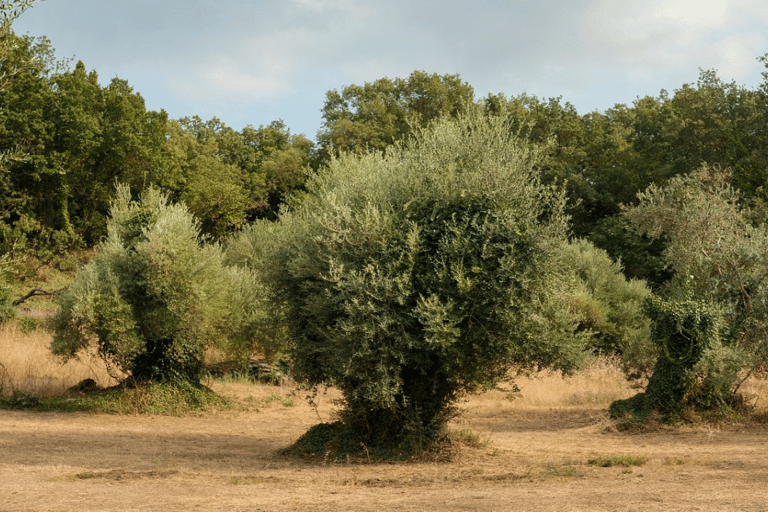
x,y
647,40
695,14
736,56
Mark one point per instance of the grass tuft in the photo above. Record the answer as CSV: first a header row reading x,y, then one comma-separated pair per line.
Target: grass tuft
x,y
562,471
284,400
617,460
470,439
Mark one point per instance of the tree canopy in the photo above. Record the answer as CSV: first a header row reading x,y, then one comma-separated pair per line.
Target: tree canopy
x,y
713,308
373,116
413,276
156,296
419,225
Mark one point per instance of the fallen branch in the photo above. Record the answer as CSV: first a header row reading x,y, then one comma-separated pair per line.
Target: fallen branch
x,y
37,292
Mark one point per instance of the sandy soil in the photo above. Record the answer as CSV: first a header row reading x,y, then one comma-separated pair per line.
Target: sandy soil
x,y
532,458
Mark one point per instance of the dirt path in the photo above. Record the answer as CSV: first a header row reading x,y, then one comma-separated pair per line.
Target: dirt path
x,y
535,459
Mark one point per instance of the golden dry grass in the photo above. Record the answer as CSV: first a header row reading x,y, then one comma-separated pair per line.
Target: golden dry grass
x,y
599,385
28,367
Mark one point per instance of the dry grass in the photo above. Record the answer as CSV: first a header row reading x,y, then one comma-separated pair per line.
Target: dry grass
x,y
755,391
599,385
28,367
592,389
546,449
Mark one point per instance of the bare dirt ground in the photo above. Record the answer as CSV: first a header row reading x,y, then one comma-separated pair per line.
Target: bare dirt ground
x,y
531,457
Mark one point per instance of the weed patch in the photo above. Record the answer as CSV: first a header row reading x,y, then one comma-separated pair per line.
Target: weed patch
x,y
562,471
335,442
617,460
154,398
469,439
287,402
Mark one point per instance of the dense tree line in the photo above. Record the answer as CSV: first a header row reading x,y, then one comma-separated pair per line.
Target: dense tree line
x,y
68,141
60,129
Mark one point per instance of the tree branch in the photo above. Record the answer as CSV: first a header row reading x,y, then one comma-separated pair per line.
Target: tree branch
x,y
37,292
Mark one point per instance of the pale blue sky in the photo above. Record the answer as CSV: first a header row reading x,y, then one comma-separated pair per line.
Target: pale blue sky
x,y
254,61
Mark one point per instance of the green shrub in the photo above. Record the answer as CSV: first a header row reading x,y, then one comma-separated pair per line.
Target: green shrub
x,y
167,398
641,255
617,460
410,278
610,307
7,311
156,295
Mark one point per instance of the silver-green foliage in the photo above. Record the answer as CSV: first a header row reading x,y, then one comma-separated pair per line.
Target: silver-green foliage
x,y
718,258
156,295
410,277
610,307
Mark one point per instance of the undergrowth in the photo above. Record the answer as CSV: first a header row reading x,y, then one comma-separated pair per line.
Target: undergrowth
x,y
333,442
169,399
617,460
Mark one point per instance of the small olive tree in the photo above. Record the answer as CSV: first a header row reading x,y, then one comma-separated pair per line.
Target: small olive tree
x,y
715,307
694,370
411,277
156,295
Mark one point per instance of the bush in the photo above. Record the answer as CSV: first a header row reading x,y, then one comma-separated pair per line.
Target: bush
x,y
7,311
410,278
610,307
155,296
641,256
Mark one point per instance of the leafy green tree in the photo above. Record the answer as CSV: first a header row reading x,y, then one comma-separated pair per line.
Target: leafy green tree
x,y
11,46
720,269
228,177
605,158
377,114
20,57
24,74
284,161
758,127
411,277
155,296
710,122
207,174
73,131
641,256
695,369
7,311
216,193
9,11
590,155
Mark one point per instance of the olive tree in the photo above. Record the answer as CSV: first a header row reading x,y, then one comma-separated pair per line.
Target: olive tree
x,y
413,276
156,295
715,307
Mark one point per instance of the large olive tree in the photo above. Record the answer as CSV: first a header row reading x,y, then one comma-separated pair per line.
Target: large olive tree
x,y
412,277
